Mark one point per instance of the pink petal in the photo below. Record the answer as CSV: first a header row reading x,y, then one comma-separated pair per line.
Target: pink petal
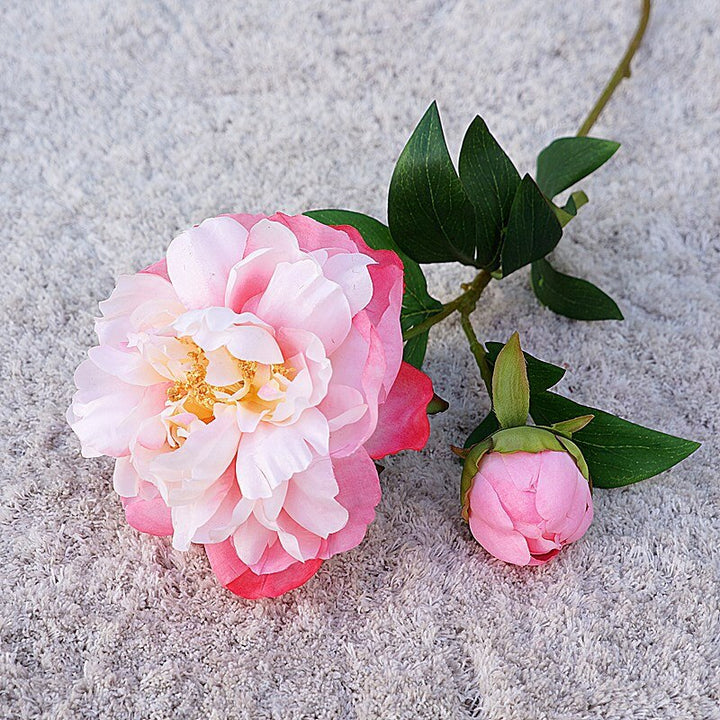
x,y
274,453
199,261
556,486
358,363
359,485
402,419
148,516
313,235
188,519
158,268
126,364
247,220
513,477
492,527
350,272
138,302
310,500
251,539
269,243
298,296
239,579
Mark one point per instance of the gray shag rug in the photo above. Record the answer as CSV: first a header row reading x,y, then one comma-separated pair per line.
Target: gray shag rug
x,y
122,123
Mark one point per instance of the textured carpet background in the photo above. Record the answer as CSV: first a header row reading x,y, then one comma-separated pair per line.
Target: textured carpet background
x,y
123,122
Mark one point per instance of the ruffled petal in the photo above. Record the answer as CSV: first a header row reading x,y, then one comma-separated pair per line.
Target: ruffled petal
x,y
106,412
299,296
359,493
492,527
199,261
237,577
402,419
274,453
149,516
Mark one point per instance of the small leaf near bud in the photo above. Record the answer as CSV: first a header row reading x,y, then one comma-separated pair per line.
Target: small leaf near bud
x,y
437,405
568,427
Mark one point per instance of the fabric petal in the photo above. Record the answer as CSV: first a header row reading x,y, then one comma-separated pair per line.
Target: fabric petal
x,y
274,453
492,527
310,499
402,419
237,577
149,516
106,412
359,493
317,304
199,261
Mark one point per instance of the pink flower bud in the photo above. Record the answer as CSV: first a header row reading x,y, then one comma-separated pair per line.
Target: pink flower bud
x,y
524,507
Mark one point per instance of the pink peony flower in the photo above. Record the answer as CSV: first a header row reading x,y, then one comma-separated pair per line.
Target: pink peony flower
x,y
524,507
245,384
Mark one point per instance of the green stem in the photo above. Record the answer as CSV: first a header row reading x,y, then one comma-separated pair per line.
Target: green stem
x,y
622,71
468,299
478,350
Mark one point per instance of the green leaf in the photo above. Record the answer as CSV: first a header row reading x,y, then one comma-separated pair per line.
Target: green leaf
x,y
533,229
487,427
415,349
510,386
430,215
567,160
572,297
569,210
541,375
418,304
617,452
491,181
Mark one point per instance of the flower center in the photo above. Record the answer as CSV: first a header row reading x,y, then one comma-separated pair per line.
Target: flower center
x,y
195,395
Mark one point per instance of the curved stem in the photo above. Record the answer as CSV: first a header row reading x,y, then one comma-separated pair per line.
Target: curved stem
x,y
477,349
468,299
622,71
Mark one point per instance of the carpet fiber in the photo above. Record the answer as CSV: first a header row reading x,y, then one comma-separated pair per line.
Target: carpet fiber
x,y
124,122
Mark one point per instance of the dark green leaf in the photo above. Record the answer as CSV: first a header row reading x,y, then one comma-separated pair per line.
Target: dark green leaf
x,y
491,182
533,229
415,349
617,452
567,160
541,375
429,213
486,428
510,387
418,304
572,297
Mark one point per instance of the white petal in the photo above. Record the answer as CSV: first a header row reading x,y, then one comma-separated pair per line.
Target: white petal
x,y
199,260
349,271
274,453
299,296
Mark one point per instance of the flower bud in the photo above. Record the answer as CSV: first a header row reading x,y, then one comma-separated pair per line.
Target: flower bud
x,y
526,494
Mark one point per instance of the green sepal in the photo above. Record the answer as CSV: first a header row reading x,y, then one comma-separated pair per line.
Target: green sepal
x,y
510,387
577,455
568,427
437,405
528,438
470,468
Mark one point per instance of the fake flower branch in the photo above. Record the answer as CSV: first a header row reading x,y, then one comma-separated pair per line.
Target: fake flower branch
x,y
246,382
486,216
